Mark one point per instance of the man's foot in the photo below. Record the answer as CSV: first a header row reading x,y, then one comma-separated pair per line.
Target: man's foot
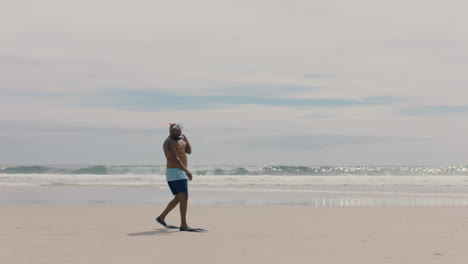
x,y
189,229
186,228
159,220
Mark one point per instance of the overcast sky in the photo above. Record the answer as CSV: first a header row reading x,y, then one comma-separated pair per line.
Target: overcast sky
x,y
358,82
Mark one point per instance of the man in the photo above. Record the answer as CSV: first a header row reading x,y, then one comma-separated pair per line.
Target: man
x,y
176,147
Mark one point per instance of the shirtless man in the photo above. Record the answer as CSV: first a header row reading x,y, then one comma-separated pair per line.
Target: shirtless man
x,y
176,147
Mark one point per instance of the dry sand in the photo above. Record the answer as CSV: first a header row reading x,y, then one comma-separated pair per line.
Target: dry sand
x,y
237,234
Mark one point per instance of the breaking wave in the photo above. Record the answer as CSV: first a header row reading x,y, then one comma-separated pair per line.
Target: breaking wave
x,y
272,170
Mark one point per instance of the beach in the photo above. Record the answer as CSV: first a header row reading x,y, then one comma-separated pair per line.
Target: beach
x,y
237,234
309,132
262,214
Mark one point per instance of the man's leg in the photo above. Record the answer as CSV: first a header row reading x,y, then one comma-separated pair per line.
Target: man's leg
x,y
183,197
172,204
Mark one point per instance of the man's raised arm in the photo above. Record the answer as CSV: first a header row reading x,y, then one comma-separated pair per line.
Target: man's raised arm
x,y
188,148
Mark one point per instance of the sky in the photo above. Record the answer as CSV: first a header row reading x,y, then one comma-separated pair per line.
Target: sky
x,y
297,82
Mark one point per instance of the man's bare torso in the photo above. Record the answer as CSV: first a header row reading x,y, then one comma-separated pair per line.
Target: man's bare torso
x,y
180,147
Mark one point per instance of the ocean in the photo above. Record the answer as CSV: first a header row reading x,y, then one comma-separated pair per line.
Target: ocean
x,y
230,184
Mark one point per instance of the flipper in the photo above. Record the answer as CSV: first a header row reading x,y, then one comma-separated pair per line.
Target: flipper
x,y
200,230
189,229
163,223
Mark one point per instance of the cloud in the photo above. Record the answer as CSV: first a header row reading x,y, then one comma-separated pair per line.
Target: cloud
x,y
164,99
233,69
157,100
318,116
9,60
435,110
318,76
313,141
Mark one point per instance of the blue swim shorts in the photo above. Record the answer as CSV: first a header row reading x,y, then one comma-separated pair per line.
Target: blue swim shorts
x,y
173,174
178,186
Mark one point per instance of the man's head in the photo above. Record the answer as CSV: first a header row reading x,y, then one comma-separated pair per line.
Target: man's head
x,y
175,130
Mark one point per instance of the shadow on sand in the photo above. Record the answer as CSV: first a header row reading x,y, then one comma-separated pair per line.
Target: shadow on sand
x,y
162,231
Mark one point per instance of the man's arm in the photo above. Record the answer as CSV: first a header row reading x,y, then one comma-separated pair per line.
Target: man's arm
x,y
188,148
